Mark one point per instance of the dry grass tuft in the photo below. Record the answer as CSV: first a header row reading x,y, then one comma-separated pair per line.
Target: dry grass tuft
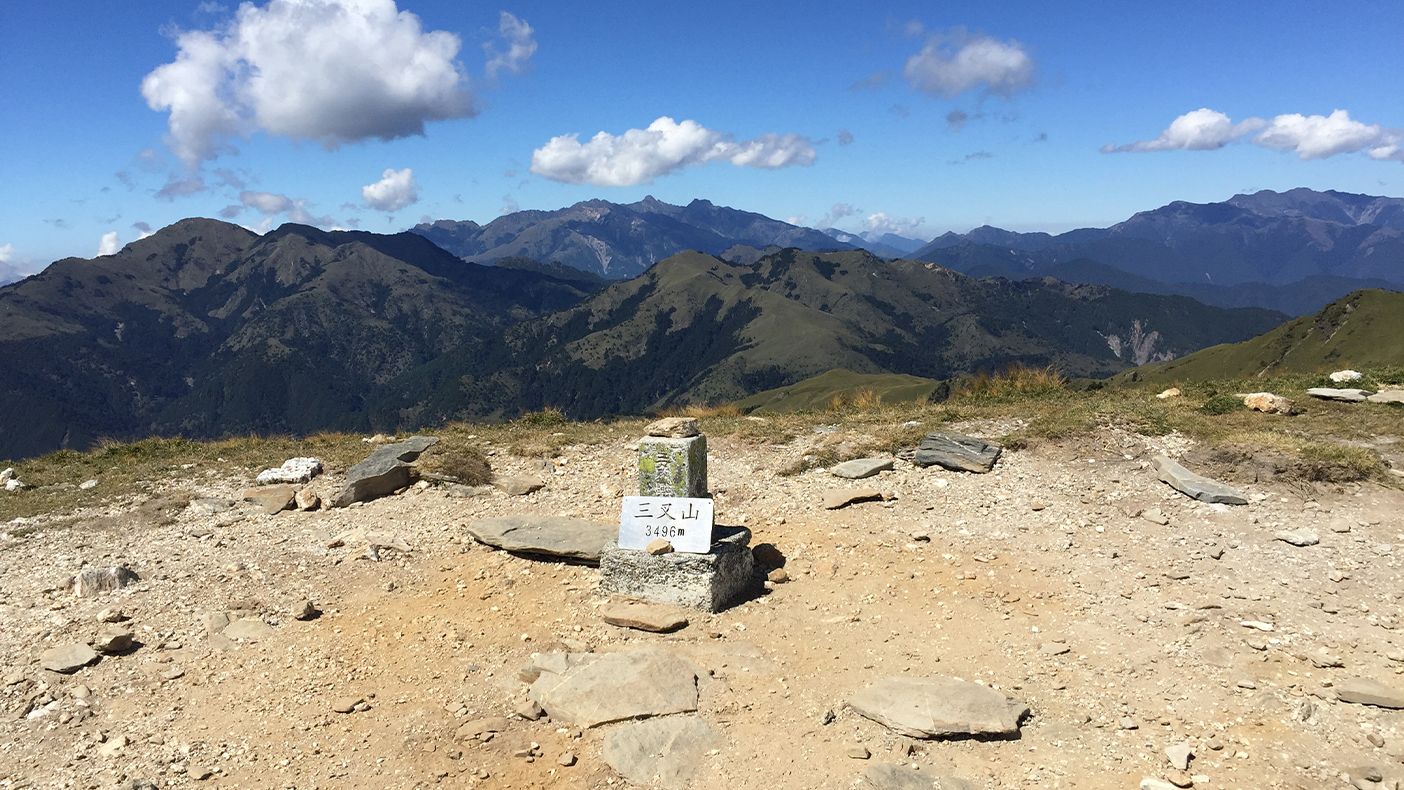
x,y
1016,381
700,411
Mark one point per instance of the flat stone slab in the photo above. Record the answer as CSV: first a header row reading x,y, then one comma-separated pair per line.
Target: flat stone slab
x,y
938,707
956,452
889,776
1192,485
272,499
644,616
1388,396
710,582
1339,393
248,629
67,659
836,498
674,427
618,686
385,471
665,751
1298,537
1365,691
556,536
859,468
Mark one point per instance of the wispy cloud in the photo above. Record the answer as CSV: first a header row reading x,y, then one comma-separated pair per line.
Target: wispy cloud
x,y
516,58
958,61
271,204
638,156
972,156
845,137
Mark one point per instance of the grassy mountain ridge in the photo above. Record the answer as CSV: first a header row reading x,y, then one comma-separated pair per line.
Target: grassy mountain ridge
x,y
1360,330
697,329
207,329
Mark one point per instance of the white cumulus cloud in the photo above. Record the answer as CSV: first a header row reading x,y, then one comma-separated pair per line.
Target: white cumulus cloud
x,y
880,223
332,71
395,190
109,244
638,156
520,47
12,267
959,61
1308,136
1320,136
1201,130
271,204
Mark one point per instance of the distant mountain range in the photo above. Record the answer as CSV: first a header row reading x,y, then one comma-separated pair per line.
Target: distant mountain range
x,y
205,329
1292,251
617,240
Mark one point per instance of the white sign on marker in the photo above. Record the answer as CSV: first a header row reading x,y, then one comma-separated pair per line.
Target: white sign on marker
x,y
685,522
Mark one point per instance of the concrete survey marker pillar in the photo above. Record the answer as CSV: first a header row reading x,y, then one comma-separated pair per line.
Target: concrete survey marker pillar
x,y
671,466
697,568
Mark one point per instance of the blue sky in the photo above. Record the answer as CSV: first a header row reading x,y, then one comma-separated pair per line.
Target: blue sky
x,y
914,117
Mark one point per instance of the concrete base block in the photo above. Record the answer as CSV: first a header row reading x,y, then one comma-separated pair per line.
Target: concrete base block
x,y
711,582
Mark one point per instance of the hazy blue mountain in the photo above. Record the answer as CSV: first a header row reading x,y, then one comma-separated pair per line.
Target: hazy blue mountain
x,y
1316,246
616,240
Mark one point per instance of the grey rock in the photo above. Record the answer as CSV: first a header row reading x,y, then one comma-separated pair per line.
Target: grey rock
x,y
519,485
67,659
1341,394
1191,484
557,536
385,471
618,686
305,611
710,582
665,751
1151,783
860,468
956,452
643,616
1298,537
937,707
1388,396
273,499
674,427
1179,755
1364,691
114,640
207,506
345,704
1322,660
889,776
100,580
248,629
214,622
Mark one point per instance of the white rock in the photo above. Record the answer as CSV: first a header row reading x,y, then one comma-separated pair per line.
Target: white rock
x,y
7,475
293,470
1346,375
88,484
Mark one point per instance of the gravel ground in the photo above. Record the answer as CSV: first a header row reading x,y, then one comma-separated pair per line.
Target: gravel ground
x,y
1042,579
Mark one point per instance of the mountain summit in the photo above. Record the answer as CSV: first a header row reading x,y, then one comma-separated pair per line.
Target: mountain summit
x,y
618,240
